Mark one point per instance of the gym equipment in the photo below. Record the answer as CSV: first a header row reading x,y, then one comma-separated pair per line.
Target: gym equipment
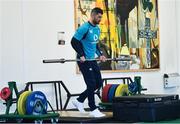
x,y
8,95
5,93
146,108
137,80
53,117
111,93
112,90
21,105
21,98
105,92
62,60
122,90
59,86
32,103
36,103
129,87
133,88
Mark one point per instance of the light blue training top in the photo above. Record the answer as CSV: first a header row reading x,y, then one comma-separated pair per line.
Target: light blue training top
x,y
88,35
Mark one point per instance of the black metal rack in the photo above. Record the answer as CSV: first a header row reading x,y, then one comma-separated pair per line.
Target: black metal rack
x,y
59,84
57,87
124,79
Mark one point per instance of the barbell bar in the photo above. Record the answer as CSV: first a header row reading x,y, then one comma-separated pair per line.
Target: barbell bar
x,y
62,60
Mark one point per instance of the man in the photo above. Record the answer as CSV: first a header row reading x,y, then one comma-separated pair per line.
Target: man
x,y
84,43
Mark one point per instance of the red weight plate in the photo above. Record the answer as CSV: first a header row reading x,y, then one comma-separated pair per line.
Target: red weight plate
x,y
5,93
105,92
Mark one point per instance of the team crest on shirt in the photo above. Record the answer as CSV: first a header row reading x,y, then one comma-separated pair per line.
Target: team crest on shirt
x,y
91,31
95,37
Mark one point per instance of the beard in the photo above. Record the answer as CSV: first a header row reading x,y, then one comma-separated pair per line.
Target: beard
x,y
96,22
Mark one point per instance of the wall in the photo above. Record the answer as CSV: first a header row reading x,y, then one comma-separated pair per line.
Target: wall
x,y
30,35
12,41
0,39
0,46
178,31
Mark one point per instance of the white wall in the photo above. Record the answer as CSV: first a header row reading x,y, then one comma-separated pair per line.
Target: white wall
x,y
42,21
30,35
0,40
178,31
12,41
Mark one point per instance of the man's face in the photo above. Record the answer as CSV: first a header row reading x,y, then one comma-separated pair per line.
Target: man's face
x,y
97,18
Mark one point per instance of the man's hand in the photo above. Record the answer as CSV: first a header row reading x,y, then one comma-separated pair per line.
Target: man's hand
x,y
102,58
82,59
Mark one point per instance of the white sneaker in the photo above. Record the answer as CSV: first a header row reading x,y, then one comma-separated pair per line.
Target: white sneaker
x,y
79,106
96,113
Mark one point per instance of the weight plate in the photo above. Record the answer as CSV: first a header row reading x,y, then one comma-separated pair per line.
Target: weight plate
x,y
122,90
22,102
18,103
5,93
105,92
111,93
36,103
133,88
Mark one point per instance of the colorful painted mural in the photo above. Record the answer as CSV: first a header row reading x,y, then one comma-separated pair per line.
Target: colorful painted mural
x,y
129,28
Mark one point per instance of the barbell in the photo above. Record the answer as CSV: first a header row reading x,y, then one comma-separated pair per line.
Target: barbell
x,y
62,60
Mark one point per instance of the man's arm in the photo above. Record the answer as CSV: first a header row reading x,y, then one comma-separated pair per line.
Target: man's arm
x,y
77,46
76,40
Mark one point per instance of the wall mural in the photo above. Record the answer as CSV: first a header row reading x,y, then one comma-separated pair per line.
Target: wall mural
x,y
129,28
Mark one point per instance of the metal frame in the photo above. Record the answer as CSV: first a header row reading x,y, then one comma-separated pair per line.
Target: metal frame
x,y
59,84
125,80
57,87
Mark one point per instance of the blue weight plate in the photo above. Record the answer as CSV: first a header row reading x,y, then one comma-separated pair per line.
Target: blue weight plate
x,y
36,103
133,87
111,93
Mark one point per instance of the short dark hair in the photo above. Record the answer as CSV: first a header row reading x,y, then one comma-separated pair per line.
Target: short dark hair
x,y
97,10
